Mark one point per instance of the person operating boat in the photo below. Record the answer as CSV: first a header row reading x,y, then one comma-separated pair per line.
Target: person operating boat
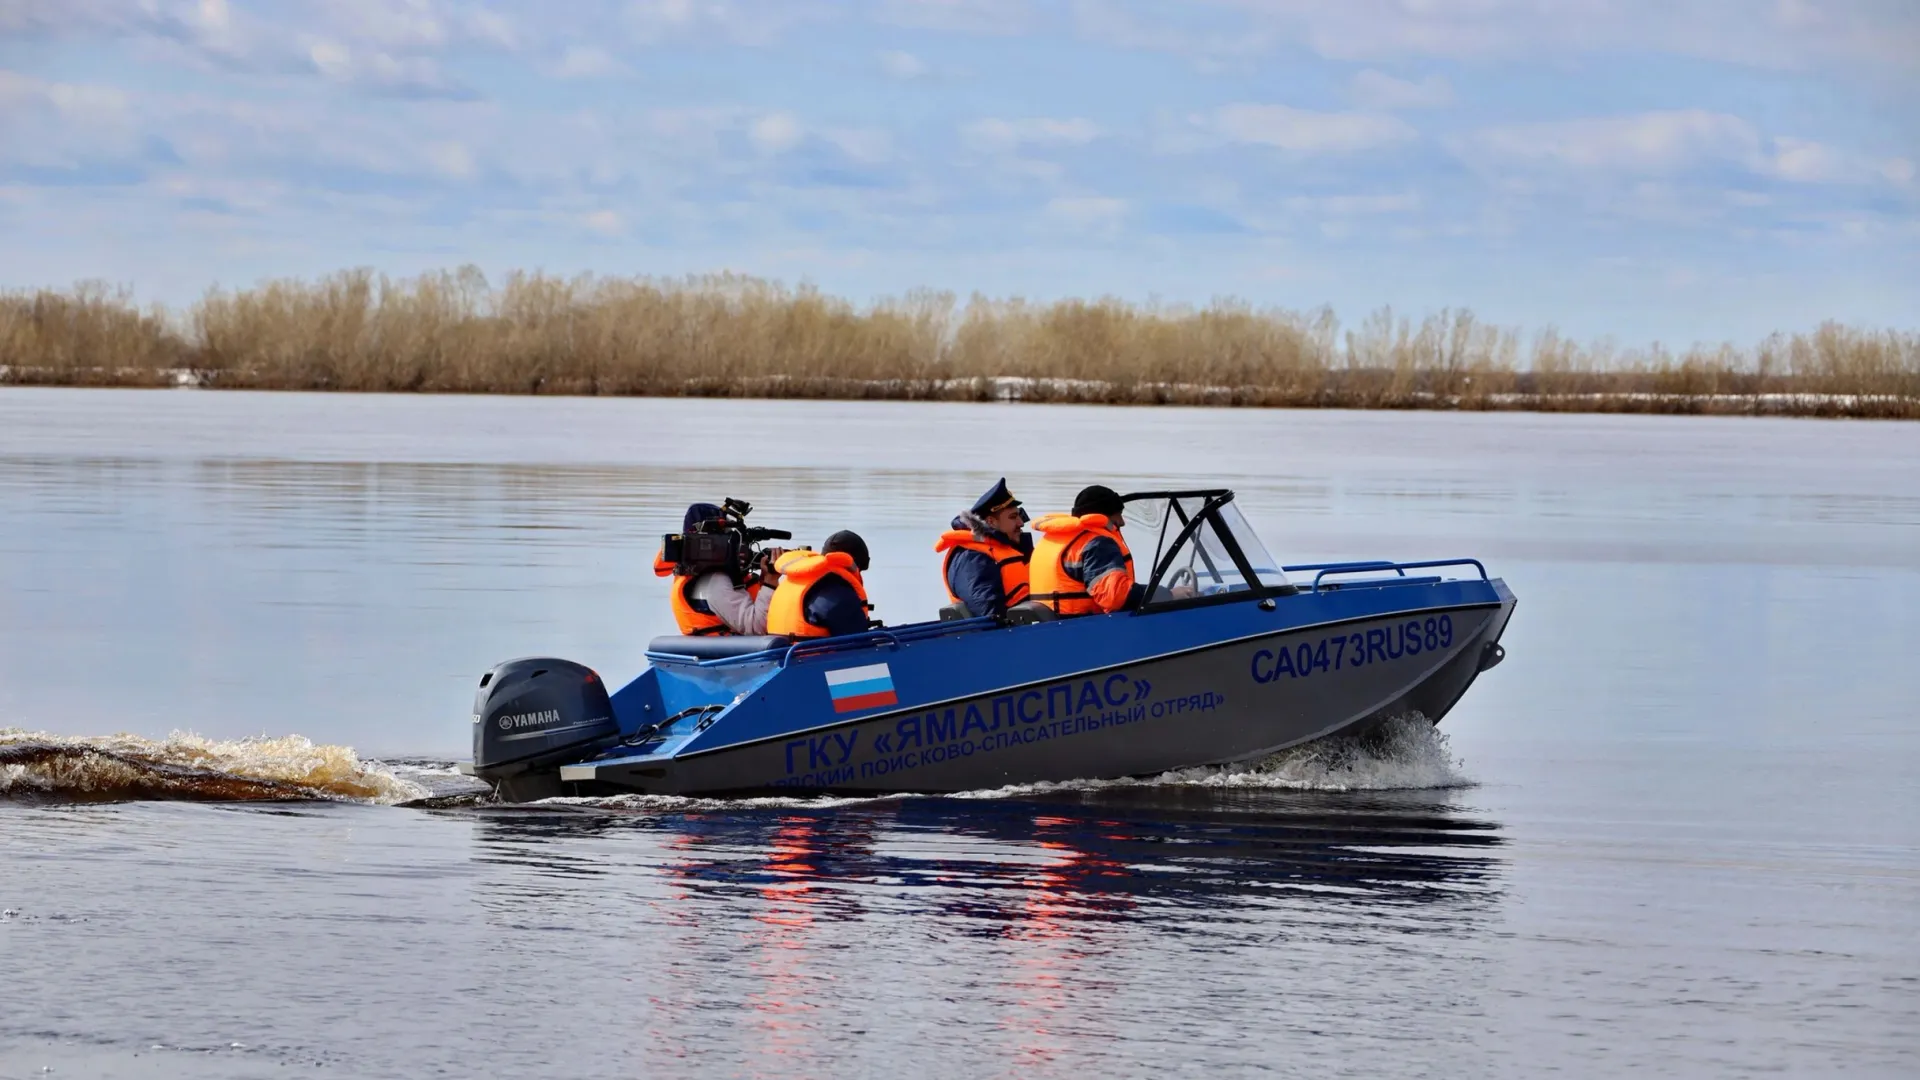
x,y
1081,565
987,549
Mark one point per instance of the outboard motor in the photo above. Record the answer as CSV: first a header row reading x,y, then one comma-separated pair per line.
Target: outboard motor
x,y
533,715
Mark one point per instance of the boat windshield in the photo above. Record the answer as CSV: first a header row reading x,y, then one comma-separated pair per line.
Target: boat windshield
x,y
1203,557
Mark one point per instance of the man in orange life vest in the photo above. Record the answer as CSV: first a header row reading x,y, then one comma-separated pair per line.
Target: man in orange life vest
x,y
711,602
1081,565
986,554
822,595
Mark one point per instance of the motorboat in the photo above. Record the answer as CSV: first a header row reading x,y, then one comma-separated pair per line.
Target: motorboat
x,y
1226,657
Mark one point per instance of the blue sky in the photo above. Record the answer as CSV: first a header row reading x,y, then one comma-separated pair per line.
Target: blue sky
x,y
1688,170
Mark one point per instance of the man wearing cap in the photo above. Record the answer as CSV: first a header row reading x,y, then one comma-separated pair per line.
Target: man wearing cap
x,y
986,554
710,602
822,595
1081,565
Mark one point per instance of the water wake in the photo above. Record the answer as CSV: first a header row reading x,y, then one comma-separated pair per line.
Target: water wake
x,y
1403,753
186,766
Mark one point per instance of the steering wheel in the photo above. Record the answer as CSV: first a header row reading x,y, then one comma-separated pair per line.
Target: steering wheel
x,y
1184,574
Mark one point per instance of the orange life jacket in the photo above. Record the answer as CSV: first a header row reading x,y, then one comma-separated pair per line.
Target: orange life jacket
x,y
1011,561
1056,571
799,572
697,621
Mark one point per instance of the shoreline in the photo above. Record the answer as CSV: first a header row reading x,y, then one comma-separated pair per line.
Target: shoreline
x,y
730,336
1011,389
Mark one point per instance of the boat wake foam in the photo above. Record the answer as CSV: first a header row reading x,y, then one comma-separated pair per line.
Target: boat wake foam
x,y
187,766
1403,753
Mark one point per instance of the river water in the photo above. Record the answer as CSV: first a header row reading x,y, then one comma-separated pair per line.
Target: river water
x,y
1676,832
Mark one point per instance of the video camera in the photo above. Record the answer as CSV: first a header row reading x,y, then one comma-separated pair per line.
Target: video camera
x,y
725,543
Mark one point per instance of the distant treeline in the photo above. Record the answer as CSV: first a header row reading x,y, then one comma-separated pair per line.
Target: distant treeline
x,y
731,336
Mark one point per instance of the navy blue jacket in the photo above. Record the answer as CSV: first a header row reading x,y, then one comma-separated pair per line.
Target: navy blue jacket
x,y
972,576
1098,557
832,603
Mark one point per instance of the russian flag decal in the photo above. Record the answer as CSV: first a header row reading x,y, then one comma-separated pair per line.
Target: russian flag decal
x,y
857,688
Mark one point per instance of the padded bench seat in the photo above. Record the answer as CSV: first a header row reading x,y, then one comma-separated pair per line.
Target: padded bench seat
x,y
717,646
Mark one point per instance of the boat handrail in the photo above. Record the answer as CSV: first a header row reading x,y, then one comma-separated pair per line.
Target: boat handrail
x,y
895,636
676,658
1375,564
1400,568
836,644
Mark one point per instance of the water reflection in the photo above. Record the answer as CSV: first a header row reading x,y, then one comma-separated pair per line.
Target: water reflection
x,y
1016,867
1030,930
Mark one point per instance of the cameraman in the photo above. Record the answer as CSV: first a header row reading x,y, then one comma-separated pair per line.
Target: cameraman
x,y
716,601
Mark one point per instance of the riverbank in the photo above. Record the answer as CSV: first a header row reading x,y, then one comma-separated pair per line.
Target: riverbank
x,y
730,336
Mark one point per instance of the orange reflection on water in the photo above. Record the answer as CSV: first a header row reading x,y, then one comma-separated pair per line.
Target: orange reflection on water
x,y
782,959
1056,924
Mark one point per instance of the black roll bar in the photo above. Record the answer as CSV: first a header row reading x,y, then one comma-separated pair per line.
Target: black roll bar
x,y
1214,499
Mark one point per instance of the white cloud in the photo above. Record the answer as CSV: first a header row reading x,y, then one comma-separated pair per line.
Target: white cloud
x,y
868,146
1650,142
586,62
382,45
386,24
966,16
1305,132
667,13
24,17
1355,205
1087,211
1793,34
87,105
451,159
996,135
775,133
493,28
331,59
745,22
380,72
605,222
1111,23
17,90
1378,90
903,65
63,125
1808,162
1665,144
208,31
1805,161
215,15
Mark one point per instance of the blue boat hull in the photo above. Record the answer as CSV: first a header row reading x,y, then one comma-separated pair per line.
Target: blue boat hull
x,y
948,707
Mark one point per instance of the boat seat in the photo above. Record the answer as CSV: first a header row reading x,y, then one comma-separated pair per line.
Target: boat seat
x,y
1030,612
717,646
956,611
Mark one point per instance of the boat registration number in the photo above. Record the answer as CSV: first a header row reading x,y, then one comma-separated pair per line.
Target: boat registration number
x,y
1357,648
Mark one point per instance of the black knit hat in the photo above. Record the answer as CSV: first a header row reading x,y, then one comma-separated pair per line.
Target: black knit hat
x,y
698,513
849,542
1097,499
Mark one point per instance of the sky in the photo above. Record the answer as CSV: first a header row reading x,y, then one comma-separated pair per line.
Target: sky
x,y
1674,170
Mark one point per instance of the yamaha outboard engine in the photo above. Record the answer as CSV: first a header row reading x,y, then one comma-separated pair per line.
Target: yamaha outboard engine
x,y
533,715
